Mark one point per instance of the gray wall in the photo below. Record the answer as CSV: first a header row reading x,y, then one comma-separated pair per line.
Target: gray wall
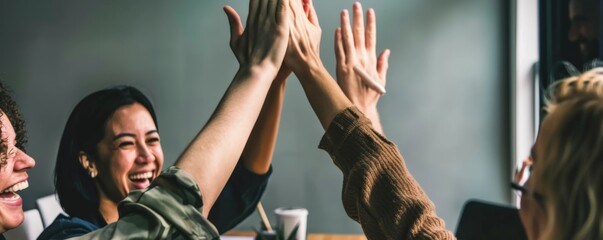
x,y
446,106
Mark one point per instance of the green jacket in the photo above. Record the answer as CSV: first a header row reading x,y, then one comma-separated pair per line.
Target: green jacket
x,y
169,209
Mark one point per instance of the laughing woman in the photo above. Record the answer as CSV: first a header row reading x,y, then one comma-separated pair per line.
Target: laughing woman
x,y
111,146
14,163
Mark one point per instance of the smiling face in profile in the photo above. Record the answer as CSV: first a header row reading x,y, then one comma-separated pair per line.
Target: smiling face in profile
x,y
13,177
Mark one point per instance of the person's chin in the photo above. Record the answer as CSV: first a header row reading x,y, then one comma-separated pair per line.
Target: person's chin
x,y
11,219
530,222
584,53
589,50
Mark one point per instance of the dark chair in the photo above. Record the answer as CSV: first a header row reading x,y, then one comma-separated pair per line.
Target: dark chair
x,y
484,220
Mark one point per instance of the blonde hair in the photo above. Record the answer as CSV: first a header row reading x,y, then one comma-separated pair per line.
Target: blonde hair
x,y
570,169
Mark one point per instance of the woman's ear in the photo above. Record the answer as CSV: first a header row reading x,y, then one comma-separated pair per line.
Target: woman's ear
x,y
88,164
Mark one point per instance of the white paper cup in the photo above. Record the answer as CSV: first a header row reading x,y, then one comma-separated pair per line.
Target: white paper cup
x,y
288,218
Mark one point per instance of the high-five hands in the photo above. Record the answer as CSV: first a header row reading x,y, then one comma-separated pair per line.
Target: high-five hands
x,y
259,48
360,74
304,40
288,32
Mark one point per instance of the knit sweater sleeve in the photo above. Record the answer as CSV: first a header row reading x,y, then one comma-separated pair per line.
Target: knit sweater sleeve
x,y
378,190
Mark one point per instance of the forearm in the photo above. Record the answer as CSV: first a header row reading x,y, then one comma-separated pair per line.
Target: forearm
x,y
213,154
378,190
259,149
323,93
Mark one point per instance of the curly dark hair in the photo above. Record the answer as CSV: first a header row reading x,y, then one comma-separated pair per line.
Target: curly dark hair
x,y
9,107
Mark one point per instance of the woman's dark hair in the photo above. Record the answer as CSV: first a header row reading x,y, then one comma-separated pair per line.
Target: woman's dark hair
x,y
84,130
9,107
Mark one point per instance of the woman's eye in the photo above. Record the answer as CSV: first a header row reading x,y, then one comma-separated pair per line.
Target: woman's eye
x,y
125,144
153,140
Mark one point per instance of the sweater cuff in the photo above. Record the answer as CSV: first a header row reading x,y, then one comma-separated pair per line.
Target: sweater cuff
x,y
340,128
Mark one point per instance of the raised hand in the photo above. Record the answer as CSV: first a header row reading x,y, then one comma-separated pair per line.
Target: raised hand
x,y
263,42
357,63
304,39
260,48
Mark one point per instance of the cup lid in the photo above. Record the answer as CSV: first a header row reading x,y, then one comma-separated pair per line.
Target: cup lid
x,y
291,211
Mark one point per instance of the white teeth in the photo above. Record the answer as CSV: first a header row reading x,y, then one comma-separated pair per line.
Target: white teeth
x,y
17,187
138,176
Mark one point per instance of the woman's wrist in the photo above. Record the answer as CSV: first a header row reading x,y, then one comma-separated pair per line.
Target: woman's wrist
x,y
309,71
263,73
372,114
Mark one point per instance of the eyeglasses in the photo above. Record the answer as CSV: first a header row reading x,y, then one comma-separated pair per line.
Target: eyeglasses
x,y
521,190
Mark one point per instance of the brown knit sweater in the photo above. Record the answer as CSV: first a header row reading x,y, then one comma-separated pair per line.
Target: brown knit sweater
x,y
378,190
